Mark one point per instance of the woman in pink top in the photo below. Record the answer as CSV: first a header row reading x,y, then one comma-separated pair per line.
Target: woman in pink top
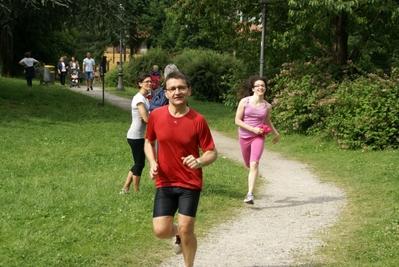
x,y
253,120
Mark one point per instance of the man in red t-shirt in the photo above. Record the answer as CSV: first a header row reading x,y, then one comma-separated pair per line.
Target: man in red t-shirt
x,y
180,132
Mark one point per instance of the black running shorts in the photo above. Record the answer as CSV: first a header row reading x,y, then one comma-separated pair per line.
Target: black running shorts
x,y
170,199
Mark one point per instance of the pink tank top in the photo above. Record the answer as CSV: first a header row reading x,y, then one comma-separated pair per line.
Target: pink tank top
x,y
252,117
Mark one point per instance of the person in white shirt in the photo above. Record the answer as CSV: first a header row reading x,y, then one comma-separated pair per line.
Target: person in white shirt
x,y
135,135
88,67
29,63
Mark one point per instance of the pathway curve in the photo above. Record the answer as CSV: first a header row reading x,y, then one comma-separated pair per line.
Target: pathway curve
x,y
289,212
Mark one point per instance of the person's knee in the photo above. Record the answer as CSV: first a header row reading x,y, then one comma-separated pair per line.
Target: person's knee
x,y
253,165
185,230
162,232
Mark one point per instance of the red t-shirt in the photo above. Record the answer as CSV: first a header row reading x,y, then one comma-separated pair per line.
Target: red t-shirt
x,y
178,137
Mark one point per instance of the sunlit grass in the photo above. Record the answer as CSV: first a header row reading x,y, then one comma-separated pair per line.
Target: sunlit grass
x,y
64,160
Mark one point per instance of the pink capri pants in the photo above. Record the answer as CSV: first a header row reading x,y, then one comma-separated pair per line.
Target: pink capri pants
x,y
252,148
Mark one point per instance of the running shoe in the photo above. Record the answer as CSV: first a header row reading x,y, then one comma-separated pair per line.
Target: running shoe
x,y
124,192
177,245
249,199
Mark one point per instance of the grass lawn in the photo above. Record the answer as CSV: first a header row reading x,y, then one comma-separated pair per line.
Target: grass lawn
x,y
63,161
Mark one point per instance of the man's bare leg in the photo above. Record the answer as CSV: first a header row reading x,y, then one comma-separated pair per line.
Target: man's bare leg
x,y
188,239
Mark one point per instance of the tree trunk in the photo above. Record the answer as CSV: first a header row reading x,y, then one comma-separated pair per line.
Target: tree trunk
x,y
6,51
340,39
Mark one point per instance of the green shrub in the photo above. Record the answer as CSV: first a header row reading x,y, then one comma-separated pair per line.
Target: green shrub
x,y
360,112
111,77
213,76
364,113
297,92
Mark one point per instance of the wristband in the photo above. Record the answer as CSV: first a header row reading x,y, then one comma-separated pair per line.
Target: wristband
x,y
199,163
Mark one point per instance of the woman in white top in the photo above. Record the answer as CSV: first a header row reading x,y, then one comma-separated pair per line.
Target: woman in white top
x,y
29,64
136,134
62,70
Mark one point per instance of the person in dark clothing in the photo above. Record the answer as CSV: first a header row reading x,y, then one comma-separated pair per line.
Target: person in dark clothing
x,y
29,63
62,70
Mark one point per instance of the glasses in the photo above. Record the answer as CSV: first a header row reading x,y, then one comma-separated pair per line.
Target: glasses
x,y
149,82
260,85
180,88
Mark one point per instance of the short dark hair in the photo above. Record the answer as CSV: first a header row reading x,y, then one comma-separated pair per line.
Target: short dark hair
x,y
142,77
180,76
27,54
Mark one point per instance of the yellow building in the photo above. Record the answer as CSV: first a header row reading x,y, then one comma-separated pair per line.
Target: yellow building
x,y
113,56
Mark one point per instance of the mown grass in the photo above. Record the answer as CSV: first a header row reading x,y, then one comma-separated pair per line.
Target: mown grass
x,y
64,159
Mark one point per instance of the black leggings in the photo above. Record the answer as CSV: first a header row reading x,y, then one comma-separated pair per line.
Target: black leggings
x,y
137,146
62,78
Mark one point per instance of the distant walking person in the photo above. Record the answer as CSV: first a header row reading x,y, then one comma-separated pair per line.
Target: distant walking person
x,y
29,64
88,67
135,136
181,133
253,120
62,70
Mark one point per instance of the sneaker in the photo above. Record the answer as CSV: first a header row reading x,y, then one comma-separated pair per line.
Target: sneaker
x,y
177,245
124,192
249,199
88,89
91,87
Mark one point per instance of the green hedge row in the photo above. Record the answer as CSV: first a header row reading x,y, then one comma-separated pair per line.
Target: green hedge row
x,y
360,111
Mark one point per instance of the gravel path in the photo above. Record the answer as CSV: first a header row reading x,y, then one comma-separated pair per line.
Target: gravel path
x,y
289,212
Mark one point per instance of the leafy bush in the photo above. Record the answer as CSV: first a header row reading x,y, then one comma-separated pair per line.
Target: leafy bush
x,y
111,77
365,113
297,92
212,75
358,113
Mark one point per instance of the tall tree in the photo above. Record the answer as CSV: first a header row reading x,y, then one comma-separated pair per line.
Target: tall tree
x,y
14,12
362,30
343,29
60,18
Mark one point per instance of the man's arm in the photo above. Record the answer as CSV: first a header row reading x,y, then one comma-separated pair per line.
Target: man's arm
x,y
206,159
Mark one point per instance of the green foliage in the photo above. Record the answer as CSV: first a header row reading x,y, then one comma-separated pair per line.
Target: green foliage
x,y
212,75
358,113
364,113
111,77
